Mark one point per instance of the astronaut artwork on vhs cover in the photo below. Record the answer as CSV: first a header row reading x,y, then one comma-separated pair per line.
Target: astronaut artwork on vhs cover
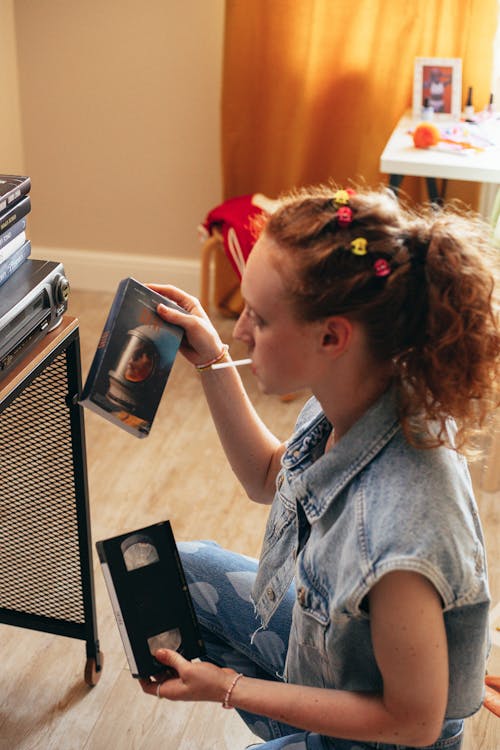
x,y
133,360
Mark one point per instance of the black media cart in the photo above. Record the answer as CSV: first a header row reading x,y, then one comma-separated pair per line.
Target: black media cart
x,y
46,577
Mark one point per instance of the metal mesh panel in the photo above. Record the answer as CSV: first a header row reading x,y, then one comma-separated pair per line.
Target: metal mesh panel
x,y
39,553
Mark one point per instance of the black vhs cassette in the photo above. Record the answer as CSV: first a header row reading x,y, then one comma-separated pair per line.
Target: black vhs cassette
x,y
150,598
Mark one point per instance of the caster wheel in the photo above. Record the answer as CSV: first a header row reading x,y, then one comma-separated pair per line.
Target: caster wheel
x,y
92,674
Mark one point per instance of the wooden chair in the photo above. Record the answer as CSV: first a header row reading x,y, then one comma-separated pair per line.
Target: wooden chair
x,y
234,215
218,283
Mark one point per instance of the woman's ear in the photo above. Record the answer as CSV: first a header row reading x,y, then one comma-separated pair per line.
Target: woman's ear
x,y
336,336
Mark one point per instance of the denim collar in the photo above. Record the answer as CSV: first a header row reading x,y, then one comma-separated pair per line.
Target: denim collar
x,y
317,483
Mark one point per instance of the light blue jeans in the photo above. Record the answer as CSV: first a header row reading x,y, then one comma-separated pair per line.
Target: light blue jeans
x,y
220,583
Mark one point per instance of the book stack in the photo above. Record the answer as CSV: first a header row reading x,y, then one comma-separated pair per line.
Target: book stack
x,y
15,204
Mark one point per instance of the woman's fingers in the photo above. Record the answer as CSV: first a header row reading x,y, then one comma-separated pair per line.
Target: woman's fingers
x,y
171,658
189,302
201,342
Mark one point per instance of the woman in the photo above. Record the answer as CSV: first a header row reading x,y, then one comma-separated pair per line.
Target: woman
x,y
371,595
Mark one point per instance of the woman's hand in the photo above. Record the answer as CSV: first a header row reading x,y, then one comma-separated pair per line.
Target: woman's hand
x,y
193,681
201,343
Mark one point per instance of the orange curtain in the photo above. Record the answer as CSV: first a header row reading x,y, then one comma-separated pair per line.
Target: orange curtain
x,y
312,89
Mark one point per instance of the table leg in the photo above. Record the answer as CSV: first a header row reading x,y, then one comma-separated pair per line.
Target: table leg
x,y
395,181
435,195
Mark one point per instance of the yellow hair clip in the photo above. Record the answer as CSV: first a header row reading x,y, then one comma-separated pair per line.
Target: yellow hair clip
x,y
341,197
358,246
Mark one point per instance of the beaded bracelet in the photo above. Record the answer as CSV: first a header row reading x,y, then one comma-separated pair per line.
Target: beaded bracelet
x,y
218,358
227,697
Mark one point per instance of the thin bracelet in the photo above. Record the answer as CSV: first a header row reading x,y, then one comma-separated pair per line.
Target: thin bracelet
x,y
218,358
227,697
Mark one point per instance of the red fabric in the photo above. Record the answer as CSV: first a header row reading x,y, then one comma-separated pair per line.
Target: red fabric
x,y
233,218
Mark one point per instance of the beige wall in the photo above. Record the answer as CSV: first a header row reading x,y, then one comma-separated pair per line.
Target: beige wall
x,y
120,113
11,142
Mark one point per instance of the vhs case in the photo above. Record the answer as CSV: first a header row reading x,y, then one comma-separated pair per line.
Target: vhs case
x,y
133,360
149,595
12,188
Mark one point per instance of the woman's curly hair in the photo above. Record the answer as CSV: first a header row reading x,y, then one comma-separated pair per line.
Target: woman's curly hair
x,y
433,315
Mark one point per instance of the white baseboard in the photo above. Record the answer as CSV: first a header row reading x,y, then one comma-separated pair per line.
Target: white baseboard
x,y
102,271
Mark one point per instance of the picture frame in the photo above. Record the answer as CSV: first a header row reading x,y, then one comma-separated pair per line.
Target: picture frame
x,y
438,80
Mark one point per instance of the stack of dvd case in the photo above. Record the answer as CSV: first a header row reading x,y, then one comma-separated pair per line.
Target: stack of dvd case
x,y
15,204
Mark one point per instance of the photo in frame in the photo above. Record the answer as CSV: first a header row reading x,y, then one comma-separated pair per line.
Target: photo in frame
x,y
437,82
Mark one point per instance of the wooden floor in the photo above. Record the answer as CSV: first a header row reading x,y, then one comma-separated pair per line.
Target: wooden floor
x,y
179,473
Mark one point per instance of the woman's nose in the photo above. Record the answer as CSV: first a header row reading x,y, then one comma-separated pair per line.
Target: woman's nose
x,y
241,330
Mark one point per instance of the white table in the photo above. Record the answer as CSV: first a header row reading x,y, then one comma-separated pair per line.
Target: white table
x,y
400,157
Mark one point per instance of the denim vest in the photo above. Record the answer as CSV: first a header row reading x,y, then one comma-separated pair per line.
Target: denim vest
x,y
340,520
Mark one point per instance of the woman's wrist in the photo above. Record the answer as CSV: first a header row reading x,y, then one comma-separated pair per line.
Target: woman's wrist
x,y
223,353
227,703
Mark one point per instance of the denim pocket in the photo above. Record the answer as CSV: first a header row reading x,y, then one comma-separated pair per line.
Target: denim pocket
x,y
311,598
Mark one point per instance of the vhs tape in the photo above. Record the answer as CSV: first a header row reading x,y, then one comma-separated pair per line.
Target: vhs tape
x,y
133,359
149,595
12,189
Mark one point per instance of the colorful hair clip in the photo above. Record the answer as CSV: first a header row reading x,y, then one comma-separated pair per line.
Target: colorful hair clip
x,y
358,246
381,267
341,198
344,216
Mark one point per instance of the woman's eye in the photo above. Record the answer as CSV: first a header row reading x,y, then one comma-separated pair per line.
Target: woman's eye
x,y
252,316
256,319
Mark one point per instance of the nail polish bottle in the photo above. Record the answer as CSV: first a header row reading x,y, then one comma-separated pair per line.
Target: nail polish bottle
x,y
427,110
469,107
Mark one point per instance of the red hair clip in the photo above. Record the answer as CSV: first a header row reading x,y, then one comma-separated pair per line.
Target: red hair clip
x,y
381,267
341,204
344,216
